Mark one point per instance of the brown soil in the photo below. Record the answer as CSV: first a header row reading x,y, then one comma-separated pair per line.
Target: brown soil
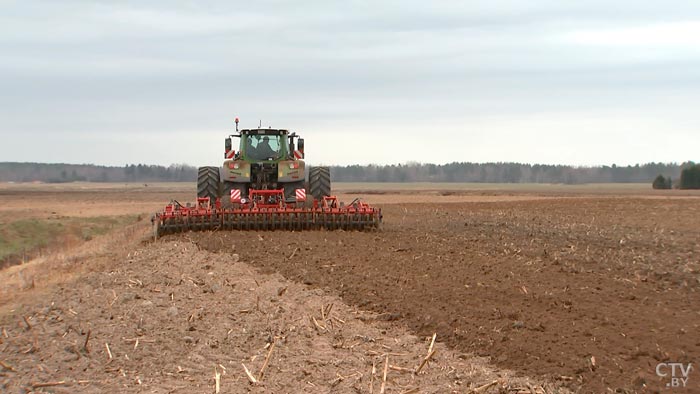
x,y
585,292
592,292
167,317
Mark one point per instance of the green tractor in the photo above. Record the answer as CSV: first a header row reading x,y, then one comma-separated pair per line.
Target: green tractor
x,y
266,159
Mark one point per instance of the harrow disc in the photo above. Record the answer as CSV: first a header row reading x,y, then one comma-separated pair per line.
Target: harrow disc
x,y
177,218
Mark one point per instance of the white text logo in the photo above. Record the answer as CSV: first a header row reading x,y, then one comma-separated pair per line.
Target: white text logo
x,y
676,373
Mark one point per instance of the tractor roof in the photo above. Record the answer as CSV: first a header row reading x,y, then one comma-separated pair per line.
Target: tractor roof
x,y
265,131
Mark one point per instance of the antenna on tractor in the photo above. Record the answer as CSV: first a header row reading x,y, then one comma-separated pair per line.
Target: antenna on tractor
x,y
260,124
236,124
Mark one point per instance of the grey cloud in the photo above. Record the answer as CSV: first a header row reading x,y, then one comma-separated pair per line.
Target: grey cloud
x,y
503,68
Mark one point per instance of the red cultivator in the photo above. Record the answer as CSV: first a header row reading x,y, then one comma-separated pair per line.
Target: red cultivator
x,y
266,210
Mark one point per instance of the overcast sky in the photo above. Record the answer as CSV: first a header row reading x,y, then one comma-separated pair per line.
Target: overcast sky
x,y
538,81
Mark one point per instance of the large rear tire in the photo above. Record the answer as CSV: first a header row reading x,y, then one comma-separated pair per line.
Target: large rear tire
x,y
208,183
320,182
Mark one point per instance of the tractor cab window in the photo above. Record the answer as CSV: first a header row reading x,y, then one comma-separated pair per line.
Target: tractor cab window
x,y
263,147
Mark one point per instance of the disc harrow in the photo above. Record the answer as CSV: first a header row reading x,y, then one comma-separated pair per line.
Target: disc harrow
x,y
266,210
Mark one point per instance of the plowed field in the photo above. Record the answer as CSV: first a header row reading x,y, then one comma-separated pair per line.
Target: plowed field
x,y
526,291
594,292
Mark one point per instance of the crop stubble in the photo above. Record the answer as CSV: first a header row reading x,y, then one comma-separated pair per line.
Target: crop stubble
x,y
591,291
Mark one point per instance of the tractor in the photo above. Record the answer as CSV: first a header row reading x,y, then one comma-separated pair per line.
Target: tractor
x,y
263,186
266,159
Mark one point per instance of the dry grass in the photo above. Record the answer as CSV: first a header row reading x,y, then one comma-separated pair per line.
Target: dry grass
x,y
37,276
28,237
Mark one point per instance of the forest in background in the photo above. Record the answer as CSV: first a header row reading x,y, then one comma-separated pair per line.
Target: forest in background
x,y
409,172
61,173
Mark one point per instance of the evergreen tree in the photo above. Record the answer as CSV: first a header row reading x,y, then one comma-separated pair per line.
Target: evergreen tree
x,y
661,182
690,177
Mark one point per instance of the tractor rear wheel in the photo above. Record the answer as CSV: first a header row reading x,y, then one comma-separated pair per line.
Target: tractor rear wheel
x,y
320,182
208,183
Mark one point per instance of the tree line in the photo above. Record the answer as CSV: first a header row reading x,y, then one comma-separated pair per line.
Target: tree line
x,y
506,173
409,172
61,173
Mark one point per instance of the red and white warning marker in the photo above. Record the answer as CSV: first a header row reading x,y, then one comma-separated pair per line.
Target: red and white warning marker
x,y
235,195
301,194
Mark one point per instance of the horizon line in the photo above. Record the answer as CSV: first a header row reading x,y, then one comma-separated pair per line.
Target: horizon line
x,y
407,164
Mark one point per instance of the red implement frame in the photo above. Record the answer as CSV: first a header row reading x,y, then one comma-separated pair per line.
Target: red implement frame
x,y
266,210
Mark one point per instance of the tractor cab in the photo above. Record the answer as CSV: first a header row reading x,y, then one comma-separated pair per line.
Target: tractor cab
x,y
259,145
264,144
